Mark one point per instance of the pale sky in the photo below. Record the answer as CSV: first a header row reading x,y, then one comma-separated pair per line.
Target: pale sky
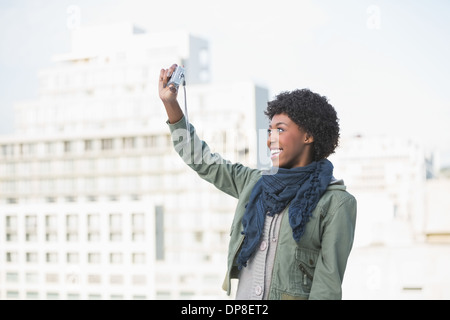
x,y
382,64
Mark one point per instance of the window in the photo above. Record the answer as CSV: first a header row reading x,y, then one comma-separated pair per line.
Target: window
x,y
70,198
12,277
11,222
31,228
52,296
115,258
51,257
186,294
31,277
107,144
11,236
30,222
94,278
11,200
51,226
68,146
163,295
116,279
138,258
90,184
10,168
32,295
12,257
50,199
198,236
72,236
28,148
139,279
50,148
68,166
150,141
94,257
138,220
135,197
88,145
129,143
72,227
138,236
31,236
115,236
93,236
51,221
51,236
115,225
93,221
73,296
115,220
72,257
72,221
113,198
12,294
31,257
51,278
90,165
7,150
138,226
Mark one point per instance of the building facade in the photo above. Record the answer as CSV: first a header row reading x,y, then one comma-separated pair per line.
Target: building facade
x,y
402,242
94,201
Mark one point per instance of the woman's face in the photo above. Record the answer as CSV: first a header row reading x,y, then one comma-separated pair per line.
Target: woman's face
x,y
290,146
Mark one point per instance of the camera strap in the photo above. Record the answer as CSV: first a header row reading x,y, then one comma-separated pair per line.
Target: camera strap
x,y
186,117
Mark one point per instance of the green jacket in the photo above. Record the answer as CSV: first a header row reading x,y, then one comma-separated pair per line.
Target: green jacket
x,y
312,268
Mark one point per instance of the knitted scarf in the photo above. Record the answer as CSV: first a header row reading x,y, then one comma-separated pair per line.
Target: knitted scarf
x,y
302,187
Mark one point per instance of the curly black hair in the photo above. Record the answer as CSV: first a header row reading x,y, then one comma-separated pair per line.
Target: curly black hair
x,y
311,112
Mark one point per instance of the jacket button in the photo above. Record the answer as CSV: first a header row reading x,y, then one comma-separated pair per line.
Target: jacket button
x,y
258,290
311,262
263,246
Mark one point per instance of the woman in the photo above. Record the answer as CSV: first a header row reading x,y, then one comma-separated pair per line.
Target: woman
x,y
294,224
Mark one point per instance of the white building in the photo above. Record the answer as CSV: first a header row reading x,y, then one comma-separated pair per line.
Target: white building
x,y
94,201
388,176
402,243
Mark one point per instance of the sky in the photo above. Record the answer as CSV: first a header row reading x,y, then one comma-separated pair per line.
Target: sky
x,y
382,64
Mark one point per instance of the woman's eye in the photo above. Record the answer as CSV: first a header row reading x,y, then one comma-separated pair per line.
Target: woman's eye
x,y
269,131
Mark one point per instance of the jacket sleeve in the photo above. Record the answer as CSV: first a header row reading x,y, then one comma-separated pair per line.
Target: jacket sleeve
x,y
228,177
337,241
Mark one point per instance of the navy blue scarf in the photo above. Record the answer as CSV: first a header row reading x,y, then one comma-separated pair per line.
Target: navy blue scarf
x,y
301,186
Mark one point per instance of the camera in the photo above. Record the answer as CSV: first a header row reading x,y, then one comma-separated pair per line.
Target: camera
x,y
177,77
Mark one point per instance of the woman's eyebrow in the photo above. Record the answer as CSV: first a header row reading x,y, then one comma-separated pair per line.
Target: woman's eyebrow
x,y
278,123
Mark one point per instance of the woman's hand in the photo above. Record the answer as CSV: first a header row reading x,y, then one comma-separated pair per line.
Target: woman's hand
x,y
168,94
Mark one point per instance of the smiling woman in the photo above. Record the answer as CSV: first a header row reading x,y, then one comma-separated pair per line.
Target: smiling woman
x,y
294,224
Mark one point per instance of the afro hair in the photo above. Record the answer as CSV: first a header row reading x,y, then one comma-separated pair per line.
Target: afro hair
x,y
311,112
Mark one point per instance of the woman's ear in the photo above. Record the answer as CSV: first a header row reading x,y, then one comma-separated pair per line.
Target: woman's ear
x,y
308,138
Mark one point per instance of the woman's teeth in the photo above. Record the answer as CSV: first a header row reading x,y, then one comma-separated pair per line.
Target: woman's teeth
x,y
275,152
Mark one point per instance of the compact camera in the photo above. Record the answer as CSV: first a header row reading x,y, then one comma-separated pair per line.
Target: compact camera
x,y
177,77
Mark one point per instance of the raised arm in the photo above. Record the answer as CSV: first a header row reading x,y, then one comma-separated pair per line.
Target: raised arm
x,y
168,95
229,177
